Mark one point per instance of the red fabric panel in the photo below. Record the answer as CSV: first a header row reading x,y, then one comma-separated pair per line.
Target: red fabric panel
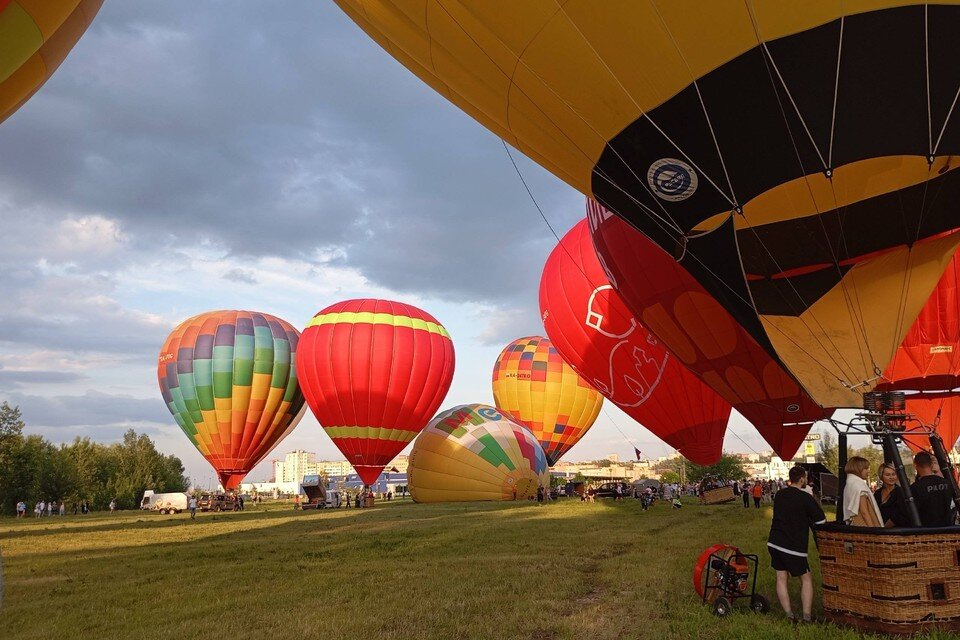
x,y
704,336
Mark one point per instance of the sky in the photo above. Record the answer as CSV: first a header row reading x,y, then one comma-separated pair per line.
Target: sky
x,y
191,156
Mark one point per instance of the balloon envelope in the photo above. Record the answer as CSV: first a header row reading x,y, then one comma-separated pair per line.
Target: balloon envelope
x,y
702,334
35,37
535,387
474,452
230,380
796,158
374,372
927,364
595,333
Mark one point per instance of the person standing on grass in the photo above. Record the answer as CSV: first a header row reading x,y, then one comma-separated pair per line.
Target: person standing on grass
x,y
794,514
540,496
63,508
192,505
757,493
745,494
113,505
21,509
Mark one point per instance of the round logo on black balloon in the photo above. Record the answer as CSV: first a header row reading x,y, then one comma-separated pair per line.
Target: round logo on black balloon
x,y
672,180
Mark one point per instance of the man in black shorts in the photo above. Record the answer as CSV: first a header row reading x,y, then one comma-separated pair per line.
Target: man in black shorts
x,y
794,513
931,493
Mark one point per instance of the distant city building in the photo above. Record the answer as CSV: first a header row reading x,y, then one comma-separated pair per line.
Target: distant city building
x,y
291,470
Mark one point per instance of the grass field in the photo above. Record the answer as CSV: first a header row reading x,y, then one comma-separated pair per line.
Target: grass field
x,y
398,571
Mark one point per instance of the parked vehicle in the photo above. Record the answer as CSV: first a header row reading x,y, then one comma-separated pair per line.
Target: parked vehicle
x,y
164,502
609,490
315,493
217,502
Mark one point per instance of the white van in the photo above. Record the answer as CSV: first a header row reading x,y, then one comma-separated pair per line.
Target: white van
x,y
164,502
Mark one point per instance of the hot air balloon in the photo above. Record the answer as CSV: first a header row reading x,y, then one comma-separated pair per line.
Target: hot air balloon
x,y
702,335
596,334
535,387
35,37
230,380
796,159
927,364
474,452
374,372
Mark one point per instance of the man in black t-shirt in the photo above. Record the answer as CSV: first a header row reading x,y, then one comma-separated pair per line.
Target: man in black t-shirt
x,y
794,513
931,493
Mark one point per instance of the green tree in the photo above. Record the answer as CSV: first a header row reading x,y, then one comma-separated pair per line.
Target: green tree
x,y
727,467
670,477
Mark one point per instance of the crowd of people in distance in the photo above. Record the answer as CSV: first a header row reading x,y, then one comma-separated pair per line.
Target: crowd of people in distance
x,y
46,508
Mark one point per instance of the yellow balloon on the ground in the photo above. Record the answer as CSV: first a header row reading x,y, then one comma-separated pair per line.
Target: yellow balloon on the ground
x,y
473,452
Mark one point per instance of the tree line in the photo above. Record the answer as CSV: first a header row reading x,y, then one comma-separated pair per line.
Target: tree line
x,y
33,469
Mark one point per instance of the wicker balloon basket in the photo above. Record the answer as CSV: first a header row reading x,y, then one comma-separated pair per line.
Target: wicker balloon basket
x,y
898,581
717,496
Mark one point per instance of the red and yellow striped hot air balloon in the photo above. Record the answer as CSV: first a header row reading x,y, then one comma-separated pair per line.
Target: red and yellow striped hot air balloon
x,y
35,37
374,372
533,384
230,380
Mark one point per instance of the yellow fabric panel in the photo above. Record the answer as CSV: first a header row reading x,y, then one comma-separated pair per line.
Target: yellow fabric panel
x,y
48,14
851,183
20,39
839,336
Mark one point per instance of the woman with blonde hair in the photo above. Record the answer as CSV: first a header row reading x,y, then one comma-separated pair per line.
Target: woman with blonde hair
x,y
889,497
859,506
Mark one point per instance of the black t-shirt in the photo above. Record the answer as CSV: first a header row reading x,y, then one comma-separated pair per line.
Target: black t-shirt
x,y
934,500
794,512
894,509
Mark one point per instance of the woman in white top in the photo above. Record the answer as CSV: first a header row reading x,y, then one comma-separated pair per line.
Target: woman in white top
x,y
859,506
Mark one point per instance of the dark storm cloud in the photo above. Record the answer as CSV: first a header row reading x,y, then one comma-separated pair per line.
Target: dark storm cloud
x,y
16,378
277,130
91,409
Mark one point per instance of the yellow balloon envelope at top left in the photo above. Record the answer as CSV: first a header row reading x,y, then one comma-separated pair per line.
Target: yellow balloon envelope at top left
x,y
35,37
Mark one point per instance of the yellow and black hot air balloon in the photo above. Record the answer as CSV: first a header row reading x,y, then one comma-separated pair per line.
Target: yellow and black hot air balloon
x,y
796,158
35,37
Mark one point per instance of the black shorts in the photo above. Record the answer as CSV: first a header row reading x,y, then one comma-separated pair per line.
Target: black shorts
x,y
780,561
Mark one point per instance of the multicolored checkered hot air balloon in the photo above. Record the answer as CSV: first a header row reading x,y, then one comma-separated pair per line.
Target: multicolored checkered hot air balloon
x,y
230,380
474,452
535,387
35,37
374,372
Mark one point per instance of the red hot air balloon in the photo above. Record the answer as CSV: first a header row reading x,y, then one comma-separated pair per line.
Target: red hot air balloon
x,y
596,334
702,333
927,364
374,372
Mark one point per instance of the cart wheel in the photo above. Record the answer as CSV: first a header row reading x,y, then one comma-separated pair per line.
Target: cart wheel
x,y
759,604
721,607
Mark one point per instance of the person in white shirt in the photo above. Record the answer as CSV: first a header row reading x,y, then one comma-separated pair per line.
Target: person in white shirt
x,y
860,508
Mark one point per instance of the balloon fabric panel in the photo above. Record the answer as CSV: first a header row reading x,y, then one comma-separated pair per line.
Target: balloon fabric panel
x,y
533,384
824,252
596,334
229,379
374,373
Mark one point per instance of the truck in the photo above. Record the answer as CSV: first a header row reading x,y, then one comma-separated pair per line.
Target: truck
x,y
164,502
314,491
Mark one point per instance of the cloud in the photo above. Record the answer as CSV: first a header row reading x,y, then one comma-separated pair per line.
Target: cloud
x,y
15,378
91,409
243,276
